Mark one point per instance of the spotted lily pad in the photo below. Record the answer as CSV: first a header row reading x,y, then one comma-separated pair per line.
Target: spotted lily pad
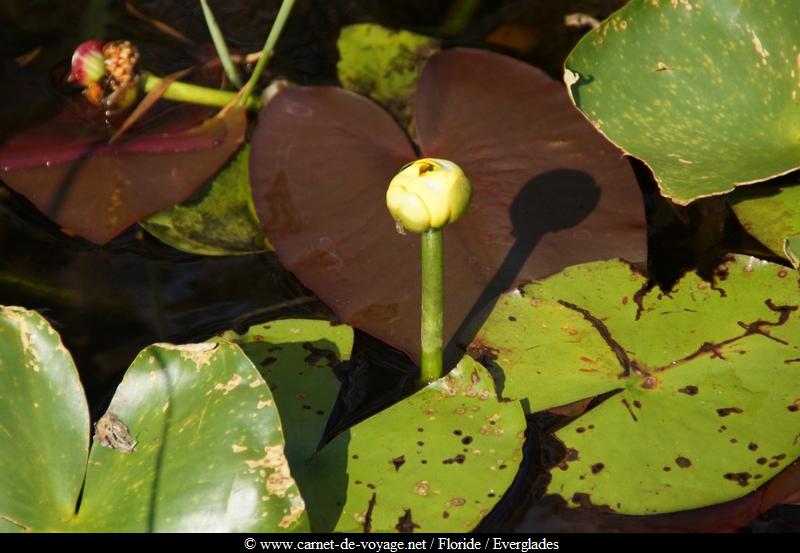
x,y
706,92
296,357
708,380
548,191
190,442
383,64
770,212
435,462
219,219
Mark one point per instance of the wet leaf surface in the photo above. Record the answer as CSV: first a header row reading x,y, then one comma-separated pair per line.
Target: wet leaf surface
x,y
96,190
719,358
706,93
444,458
549,192
219,219
190,442
769,211
383,64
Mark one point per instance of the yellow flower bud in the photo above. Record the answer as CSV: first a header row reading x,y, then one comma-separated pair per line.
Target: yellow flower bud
x,y
428,194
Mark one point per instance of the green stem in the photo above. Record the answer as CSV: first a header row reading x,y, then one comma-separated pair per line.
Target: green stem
x,y
266,52
194,94
219,44
459,17
432,305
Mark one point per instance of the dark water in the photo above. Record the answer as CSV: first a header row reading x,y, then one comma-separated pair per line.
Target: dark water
x,y
110,302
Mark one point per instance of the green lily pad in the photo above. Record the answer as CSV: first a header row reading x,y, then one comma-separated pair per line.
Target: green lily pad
x,y
219,219
435,462
190,442
383,64
44,423
708,378
296,357
707,93
770,212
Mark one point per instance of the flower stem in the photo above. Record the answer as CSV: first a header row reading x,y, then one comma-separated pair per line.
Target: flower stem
x,y
266,52
194,94
432,305
219,43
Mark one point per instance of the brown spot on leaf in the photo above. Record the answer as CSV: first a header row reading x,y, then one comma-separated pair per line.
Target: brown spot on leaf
x,y
422,488
725,411
630,411
683,462
316,355
761,460
466,440
268,361
741,478
368,515
752,446
689,390
597,467
457,502
398,462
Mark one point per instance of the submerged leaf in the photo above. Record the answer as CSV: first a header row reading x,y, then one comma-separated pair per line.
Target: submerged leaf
x,y
708,400
705,92
219,219
383,64
548,191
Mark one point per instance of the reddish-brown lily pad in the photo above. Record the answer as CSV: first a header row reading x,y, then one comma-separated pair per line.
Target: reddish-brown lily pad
x,y
549,191
94,189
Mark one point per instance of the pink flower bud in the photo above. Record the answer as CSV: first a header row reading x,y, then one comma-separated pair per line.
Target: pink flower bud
x,y
88,63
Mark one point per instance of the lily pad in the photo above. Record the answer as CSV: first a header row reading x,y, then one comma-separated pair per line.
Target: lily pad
x,y
443,459
190,442
704,92
548,192
383,64
707,379
219,219
44,420
96,190
770,212
296,357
